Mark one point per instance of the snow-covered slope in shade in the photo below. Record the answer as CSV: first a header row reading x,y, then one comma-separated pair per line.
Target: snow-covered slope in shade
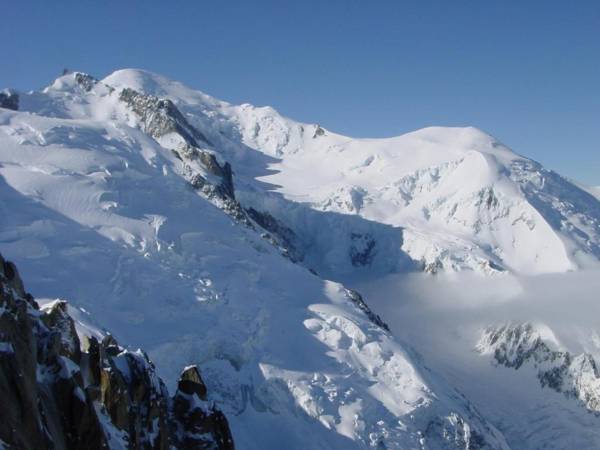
x,y
117,204
457,197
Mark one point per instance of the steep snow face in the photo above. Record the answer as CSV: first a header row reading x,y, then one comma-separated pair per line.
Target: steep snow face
x,y
460,197
100,204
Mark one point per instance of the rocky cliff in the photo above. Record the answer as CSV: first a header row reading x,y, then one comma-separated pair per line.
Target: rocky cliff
x,y
60,392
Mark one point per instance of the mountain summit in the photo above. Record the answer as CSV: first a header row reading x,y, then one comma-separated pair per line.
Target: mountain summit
x,y
462,199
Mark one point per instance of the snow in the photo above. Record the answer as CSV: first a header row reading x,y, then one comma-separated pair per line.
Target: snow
x,y
428,185
95,211
445,320
117,439
484,200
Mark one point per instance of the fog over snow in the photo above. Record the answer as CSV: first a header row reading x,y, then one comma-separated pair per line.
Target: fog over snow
x,y
462,302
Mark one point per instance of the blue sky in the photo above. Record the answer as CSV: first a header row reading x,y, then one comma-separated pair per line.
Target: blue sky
x,y
526,72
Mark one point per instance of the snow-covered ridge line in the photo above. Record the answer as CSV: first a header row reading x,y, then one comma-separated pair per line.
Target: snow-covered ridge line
x,y
429,183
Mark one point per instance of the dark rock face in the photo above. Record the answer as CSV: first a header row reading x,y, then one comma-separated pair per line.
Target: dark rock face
x,y
43,404
279,235
357,299
87,82
9,100
201,169
57,396
198,424
318,132
134,398
217,186
433,267
221,187
58,320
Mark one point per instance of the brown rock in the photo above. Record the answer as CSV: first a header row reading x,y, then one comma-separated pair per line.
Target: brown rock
x,y
191,383
48,386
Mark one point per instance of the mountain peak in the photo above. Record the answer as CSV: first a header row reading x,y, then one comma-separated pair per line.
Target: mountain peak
x,y
158,85
138,79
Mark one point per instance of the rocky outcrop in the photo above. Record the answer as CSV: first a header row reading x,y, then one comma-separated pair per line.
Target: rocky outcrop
x,y
85,81
516,345
43,403
318,132
199,165
197,423
59,394
9,100
358,300
453,432
215,181
277,234
160,116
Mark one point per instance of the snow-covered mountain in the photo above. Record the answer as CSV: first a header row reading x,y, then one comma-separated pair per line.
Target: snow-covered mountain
x,y
209,233
460,197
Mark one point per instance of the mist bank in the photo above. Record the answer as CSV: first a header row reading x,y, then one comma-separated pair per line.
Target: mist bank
x,y
461,304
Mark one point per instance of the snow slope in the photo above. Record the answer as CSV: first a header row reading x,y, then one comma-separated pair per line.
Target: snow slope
x,y
457,197
122,205
524,350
